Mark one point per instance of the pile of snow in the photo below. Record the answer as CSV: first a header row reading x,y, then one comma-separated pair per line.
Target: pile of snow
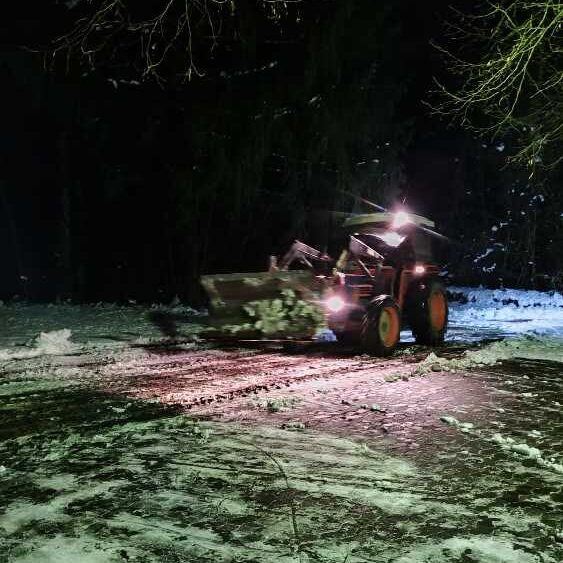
x,y
505,311
527,347
54,343
325,335
464,427
525,451
507,443
522,449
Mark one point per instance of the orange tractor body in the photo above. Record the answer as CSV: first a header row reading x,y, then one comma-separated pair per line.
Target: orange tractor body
x,y
385,278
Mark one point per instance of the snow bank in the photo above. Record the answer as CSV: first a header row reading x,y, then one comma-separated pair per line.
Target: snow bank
x,y
464,427
522,449
505,311
54,343
528,347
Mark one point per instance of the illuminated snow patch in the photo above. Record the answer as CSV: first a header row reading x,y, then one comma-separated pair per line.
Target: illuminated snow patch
x,y
507,443
20,514
61,549
528,347
54,343
464,427
482,548
505,312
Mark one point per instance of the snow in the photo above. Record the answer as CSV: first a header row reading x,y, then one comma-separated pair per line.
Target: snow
x,y
484,255
79,493
536,318
483,549
488,313
464,427
230,498
508,444
325,335
61,549
523,449
54,343
527,347
73,328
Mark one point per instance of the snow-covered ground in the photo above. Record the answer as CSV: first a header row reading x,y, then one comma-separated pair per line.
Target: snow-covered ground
x,y
467,468
28,330
101,327
479,313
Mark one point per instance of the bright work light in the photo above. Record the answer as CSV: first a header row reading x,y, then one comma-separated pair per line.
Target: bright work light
x,y
335,304
400,219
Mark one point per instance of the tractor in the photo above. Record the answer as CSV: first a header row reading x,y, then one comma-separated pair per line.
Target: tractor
x,y
384,279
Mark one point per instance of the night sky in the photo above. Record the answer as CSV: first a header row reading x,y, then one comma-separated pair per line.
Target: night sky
x,y
116,185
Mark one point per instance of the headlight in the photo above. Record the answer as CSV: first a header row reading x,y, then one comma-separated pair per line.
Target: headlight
x,y
335,304
400,219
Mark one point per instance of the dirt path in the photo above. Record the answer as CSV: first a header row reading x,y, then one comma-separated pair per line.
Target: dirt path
x,y
215,376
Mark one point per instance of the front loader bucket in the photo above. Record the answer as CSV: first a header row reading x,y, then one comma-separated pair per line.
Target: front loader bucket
x,y
230,293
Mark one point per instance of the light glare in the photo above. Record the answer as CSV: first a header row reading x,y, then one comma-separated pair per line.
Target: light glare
x,y
335,303
400,219
392,238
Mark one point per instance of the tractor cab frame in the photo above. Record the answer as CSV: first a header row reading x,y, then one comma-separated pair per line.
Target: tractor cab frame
x,y
385,278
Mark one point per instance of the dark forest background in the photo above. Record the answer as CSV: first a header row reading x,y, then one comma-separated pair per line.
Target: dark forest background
x,y
116,188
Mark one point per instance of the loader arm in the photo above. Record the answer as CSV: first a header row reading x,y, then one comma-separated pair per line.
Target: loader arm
x,y
303,253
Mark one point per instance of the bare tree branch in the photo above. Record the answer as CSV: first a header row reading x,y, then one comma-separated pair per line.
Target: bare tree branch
x,y
154,36
515,85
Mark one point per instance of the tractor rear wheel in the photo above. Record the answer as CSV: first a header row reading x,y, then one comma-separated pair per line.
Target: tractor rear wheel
x,y
381,326
427,310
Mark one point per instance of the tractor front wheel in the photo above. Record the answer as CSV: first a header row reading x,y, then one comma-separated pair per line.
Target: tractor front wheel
x,y
381,326
427,311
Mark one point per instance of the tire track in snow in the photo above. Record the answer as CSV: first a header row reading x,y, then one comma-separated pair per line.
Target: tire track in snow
x,y
200,378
